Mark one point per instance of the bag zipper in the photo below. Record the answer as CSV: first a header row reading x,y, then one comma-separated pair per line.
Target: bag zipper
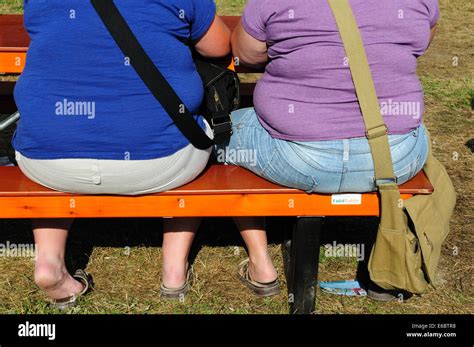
x,y
217,99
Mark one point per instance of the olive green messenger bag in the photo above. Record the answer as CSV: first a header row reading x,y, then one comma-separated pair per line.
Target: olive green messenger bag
x,y
408,244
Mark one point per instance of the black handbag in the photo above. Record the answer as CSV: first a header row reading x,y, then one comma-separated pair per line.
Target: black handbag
x,y
221,96
221,84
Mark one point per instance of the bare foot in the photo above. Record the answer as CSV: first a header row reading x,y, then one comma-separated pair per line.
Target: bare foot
x,y
174,275
52,277
262,269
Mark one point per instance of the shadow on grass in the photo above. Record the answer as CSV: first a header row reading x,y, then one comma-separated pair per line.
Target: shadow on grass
x,y
86,234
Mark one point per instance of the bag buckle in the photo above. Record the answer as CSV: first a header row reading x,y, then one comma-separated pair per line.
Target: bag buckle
x,y
222,130
376,132
227,122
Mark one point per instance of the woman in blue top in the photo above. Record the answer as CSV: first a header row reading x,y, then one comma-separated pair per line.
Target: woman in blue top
x,y
89,124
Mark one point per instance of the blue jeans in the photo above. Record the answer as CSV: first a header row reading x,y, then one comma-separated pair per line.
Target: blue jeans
x,y
335,166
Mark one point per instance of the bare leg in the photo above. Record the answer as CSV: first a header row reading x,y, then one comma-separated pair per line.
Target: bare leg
x,y
253,232
177,241
50,269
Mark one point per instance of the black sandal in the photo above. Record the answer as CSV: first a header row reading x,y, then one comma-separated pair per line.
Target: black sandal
x,y
65,303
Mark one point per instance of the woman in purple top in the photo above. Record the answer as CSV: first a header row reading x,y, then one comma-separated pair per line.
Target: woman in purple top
x,y
306,130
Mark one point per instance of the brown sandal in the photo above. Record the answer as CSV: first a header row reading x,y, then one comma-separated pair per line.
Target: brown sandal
x,y
177,293
259,289
65,303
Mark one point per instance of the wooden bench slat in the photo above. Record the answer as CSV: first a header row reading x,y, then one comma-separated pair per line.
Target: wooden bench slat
x,y
231,205
194,206
215,180
13,37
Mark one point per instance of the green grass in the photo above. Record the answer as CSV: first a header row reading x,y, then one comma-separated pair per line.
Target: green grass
x,y
11,6
451,94
230,7
130,283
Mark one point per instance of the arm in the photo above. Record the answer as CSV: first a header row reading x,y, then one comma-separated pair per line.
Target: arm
x,y
216,41
247,49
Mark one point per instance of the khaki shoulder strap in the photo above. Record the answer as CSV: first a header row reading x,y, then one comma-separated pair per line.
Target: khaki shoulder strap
x,y
376,130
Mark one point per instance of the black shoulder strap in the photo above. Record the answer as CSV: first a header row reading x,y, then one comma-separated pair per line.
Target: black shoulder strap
x,y
149,73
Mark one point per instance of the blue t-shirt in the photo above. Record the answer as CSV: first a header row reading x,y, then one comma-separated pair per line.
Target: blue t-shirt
x,y
79,97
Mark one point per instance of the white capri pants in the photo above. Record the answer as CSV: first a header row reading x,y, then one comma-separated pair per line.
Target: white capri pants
x,y
117,177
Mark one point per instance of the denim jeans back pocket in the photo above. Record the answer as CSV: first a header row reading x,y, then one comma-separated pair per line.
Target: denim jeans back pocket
x,y
289,173
407,172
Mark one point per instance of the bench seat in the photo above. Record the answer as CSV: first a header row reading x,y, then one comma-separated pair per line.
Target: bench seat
x,y
221,191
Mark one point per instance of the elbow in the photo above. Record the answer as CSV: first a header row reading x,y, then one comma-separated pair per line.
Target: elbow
x,y
223,49
217,52
216,42
220,48
246,56
237,52
250,60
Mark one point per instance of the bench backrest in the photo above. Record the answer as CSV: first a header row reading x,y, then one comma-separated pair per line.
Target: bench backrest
x,y
14,42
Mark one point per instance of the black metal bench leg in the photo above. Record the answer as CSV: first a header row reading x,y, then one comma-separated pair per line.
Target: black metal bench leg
x,y
286,253
304,265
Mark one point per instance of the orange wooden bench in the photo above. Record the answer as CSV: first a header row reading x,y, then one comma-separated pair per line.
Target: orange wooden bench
x,y
14,42
220,191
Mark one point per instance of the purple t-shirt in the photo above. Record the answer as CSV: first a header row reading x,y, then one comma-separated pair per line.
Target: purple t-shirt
x,y
307,93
